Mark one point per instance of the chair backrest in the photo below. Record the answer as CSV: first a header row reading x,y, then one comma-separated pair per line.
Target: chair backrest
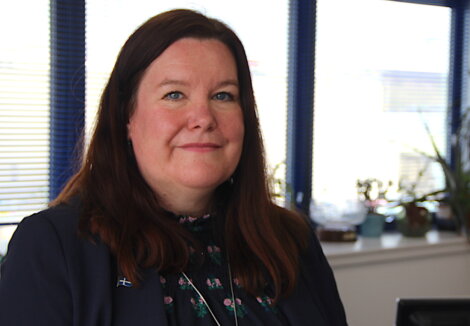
x,y
433,312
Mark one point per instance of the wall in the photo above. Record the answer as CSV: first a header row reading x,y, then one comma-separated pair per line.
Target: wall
x,y
372,273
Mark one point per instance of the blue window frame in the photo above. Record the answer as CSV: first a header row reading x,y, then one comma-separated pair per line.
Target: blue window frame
x,y
67,83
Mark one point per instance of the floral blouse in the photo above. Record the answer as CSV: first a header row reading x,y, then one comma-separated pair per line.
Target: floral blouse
x,y
209,274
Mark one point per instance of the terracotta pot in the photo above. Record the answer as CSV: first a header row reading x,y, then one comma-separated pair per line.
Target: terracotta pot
x,y
415,221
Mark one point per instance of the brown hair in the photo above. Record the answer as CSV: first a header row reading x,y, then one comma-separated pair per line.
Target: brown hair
x,y
263,240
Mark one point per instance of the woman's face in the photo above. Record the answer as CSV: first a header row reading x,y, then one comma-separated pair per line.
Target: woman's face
x,y
187,124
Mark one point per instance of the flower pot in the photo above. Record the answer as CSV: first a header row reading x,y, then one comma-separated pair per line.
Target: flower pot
x,y
373,225
415,221
412,231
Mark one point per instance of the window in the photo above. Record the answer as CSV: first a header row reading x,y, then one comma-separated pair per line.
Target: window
x,y
24,108
381,75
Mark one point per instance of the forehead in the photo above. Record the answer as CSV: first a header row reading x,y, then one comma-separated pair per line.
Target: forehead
x,y
195,56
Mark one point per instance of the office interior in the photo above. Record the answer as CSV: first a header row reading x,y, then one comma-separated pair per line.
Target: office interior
x,y
347,91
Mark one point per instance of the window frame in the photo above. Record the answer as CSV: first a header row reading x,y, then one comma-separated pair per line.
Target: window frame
x,y
67,90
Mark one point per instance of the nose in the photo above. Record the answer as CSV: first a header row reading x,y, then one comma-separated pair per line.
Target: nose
x,y
202,116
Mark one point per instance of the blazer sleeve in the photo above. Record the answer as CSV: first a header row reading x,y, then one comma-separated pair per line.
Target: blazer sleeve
x,y
33,277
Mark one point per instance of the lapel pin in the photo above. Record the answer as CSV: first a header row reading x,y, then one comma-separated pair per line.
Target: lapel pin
x,y
123,281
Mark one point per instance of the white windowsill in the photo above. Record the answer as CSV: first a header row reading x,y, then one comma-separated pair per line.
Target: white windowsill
x,y
393,246
6,231
364,251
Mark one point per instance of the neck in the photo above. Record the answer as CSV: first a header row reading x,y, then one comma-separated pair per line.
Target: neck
x,y
188,202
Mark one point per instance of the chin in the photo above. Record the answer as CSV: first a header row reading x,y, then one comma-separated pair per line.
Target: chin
x,y
210,182
203,185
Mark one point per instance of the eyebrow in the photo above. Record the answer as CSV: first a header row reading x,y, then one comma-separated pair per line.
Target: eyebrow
x,y
166,82
229,82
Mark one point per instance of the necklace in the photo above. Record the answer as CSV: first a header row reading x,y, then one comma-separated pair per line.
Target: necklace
x,y
204,299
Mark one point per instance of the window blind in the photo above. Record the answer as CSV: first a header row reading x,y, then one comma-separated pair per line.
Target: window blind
x,y
24,108
377,83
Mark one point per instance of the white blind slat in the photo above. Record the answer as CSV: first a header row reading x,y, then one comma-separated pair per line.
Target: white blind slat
x,y
24,109
375,88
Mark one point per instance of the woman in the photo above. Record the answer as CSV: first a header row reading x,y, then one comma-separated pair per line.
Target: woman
x,y
170,221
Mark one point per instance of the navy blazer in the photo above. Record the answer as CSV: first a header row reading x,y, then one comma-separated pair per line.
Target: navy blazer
x,y
51,276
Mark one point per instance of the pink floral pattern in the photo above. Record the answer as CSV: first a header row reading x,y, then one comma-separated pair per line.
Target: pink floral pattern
x,y
168,303
192,222
230,306
184,284
214,283
267,303
209,274
215,254
199,307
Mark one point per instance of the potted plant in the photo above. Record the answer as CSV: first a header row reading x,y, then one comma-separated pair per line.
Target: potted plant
x,y
415,219
372,192
281,191
457,177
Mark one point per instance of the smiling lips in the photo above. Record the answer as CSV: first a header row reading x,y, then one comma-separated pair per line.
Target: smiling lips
x,y
200,147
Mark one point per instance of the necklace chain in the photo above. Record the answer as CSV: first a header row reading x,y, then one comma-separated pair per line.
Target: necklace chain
x,y
233,296
205,301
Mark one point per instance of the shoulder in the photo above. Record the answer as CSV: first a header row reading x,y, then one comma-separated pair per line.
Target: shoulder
x,y
36,262
314,246
318,277
293,225
57,219
50,271
301,228
64,215
53,235
53,225
316,285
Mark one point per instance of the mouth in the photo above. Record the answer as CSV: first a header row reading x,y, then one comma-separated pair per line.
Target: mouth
x,y
200,147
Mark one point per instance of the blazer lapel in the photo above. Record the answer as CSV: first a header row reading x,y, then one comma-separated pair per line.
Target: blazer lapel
x,y
139,305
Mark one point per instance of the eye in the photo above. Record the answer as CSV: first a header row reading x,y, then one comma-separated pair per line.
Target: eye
x,y
173,96
224,97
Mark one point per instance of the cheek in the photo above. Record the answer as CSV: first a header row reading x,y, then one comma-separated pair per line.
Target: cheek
x,y
137,131
235,133
237,129
147,128
148,142
143,138
239,136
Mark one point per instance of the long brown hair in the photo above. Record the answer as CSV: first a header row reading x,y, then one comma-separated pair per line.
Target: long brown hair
x,y
263,241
